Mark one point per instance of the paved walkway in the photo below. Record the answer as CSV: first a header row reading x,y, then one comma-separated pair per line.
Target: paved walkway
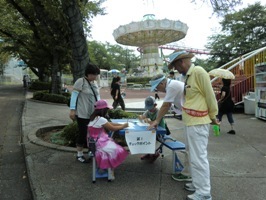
x,y
237,162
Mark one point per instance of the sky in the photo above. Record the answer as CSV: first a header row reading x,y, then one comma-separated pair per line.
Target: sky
x,y
198,17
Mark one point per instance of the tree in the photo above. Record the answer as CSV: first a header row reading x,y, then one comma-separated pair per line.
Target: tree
x,y
242,32
204,63
4,58
49,34
222,7
108,56
123,57
45,37
74,15
100,55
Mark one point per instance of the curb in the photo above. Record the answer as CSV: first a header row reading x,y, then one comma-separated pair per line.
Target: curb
x,y
33,138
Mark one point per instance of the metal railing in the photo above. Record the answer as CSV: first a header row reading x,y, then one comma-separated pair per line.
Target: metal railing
x,y
243,69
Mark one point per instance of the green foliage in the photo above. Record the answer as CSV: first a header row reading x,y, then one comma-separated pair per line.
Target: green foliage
x,y
66,94
39,94
38,32
222,7
70,132
55,98
138,80
48,97
4,58
205,64
57,138
242,32
109,56
120,114
38,85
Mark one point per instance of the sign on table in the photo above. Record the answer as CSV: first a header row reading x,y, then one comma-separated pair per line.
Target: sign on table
x,y
141,142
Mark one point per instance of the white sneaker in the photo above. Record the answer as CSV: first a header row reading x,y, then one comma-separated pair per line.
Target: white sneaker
x,y
196,196
112,175
190,187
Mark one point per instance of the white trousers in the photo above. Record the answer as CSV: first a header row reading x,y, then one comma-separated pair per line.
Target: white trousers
x,y
186,164
197,142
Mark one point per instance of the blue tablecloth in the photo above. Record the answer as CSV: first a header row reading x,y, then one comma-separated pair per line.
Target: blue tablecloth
x,y
136,127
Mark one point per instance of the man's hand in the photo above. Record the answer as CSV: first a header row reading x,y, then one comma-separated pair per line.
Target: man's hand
x,y
215,122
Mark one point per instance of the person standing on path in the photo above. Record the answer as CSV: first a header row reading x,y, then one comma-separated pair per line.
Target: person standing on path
x,y
116,94
226,104
83,98
199,110
174,98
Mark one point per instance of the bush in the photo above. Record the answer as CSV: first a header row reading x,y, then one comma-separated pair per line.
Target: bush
x,y
38,85
139,80
120,114
70,132
39,94
55,98
48,97
66,94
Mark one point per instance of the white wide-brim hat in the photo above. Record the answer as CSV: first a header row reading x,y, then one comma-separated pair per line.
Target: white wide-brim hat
x,y
178,55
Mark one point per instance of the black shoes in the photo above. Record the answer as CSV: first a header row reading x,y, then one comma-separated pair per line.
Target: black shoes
x,y
150,157
145,157
154,157
232,132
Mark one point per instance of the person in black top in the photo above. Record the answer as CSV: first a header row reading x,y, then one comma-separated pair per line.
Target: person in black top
x,y
226,104
171,75
156,96
116,94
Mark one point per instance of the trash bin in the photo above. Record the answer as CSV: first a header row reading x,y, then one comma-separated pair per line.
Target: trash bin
x,y
249,103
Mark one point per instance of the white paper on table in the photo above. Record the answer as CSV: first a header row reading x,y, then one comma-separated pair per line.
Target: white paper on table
x,y
142,124
130,125
141,142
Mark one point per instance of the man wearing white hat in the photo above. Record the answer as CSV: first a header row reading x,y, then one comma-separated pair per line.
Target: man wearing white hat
x,y
174,94
174,97
199,111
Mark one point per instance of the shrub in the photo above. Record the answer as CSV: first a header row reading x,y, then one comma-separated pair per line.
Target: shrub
x,y
48,97
55,98
70,132
57,138
138,80
120,114
39,94
66,94
38,85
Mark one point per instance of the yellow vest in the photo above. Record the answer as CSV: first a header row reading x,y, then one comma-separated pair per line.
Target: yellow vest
x,y
200,102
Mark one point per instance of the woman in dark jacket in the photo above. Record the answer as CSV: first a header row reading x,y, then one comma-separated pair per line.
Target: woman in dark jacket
x,y
226,104
116,94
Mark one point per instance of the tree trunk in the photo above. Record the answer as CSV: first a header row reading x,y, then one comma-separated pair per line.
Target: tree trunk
x,y
80,54
56,75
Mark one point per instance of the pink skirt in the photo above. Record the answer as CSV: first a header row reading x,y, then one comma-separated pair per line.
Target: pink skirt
x,y
108,153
